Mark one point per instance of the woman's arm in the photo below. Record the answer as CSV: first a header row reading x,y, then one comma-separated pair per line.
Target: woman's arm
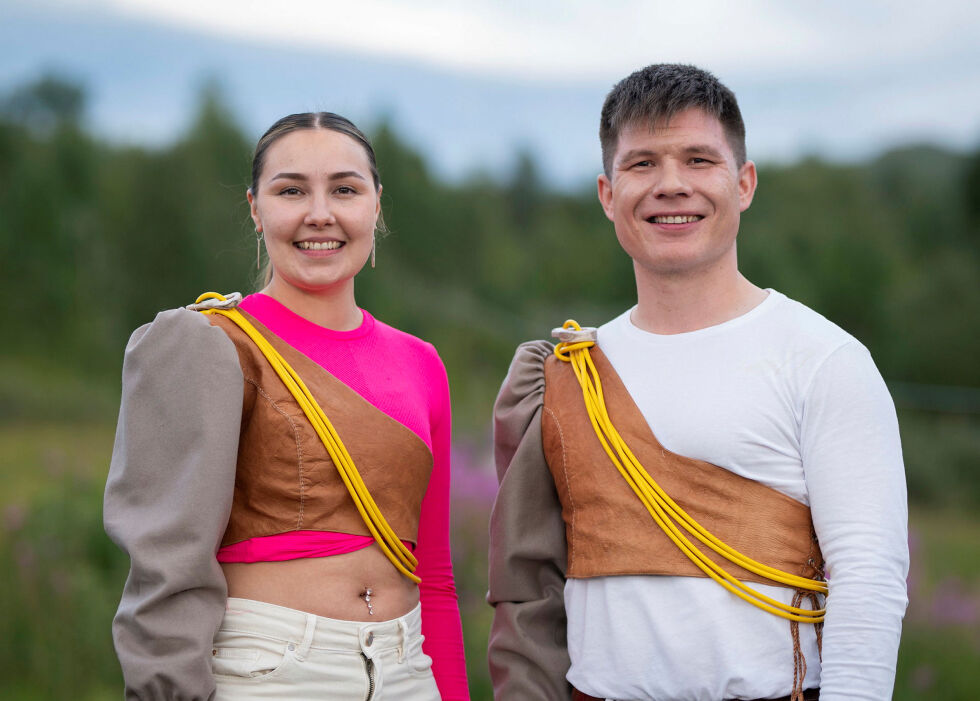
x,y
167,501
440,608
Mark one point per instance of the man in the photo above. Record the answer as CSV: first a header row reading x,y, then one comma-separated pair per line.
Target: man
x,y
767,423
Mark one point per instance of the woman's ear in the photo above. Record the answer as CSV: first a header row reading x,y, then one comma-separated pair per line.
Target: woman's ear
x,y
254,210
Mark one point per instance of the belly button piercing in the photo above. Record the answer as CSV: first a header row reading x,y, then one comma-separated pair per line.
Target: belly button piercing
x,y
367,600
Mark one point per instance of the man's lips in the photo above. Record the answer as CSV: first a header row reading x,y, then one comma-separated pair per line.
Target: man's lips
x,y
674,218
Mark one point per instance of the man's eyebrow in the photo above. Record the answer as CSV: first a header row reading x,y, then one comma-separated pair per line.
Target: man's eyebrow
x,y
703,148
636,153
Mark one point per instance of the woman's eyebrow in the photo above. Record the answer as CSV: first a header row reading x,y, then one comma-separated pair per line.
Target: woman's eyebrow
x,y
288,176
347,174
333,176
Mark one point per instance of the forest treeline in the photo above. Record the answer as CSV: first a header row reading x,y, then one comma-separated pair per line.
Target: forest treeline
x,y
96,237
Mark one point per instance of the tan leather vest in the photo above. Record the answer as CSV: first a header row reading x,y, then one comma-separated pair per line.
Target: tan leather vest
x,y
610,532
285,479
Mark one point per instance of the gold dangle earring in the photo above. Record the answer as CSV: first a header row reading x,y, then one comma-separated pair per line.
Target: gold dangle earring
x,y
374,246
258,249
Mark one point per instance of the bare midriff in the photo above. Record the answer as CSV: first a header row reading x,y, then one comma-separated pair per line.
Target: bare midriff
x,y
332,587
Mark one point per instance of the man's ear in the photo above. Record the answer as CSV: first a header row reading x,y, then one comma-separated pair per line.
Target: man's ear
x,y
605,191
748,178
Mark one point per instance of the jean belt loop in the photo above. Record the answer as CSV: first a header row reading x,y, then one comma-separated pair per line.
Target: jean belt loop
x,y
403,643
304,647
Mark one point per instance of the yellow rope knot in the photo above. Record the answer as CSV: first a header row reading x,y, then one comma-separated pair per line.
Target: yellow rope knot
x,y
572,337
573,349
395,550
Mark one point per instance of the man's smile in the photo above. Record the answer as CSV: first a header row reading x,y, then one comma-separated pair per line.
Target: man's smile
x,y
675,219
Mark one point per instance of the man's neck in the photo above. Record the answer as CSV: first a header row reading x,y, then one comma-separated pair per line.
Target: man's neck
x,y
679,304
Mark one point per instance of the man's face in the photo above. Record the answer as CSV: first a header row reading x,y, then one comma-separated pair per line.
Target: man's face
x,y
675,195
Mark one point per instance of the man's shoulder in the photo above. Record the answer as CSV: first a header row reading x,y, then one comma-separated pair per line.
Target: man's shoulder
x,y
805,325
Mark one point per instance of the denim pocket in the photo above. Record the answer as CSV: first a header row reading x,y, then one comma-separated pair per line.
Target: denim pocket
x,y
419,664
246,656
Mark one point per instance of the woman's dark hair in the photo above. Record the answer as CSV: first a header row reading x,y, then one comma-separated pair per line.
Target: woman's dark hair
x,y
310,120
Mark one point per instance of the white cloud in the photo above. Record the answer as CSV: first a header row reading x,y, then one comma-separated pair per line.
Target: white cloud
x,y
577,40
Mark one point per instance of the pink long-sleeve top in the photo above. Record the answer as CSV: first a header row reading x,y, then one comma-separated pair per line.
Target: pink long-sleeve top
x,y
403,377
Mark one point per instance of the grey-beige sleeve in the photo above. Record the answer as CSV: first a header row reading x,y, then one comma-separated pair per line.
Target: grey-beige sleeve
x,y
168,498
528,651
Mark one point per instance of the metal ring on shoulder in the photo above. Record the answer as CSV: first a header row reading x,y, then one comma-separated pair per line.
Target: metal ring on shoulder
x,y
231,300
586,333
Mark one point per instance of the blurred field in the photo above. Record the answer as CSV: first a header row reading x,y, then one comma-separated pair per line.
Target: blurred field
x,y
97,237
60,577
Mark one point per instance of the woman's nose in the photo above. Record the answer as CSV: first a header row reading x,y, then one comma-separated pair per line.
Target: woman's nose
x,y
320,213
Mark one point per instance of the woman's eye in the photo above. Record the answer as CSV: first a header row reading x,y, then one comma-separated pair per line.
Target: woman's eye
x,y
289,191
346,190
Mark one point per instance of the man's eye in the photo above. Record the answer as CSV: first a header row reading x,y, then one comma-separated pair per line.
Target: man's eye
x,y
643,164
700,161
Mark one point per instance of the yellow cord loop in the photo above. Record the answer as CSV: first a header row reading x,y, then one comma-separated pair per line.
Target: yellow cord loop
x,y
667,514
399,555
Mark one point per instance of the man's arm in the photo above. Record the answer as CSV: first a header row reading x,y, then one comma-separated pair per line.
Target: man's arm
x,y
528,653
852,459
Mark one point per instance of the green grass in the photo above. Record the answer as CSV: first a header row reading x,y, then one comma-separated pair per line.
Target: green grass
x,y
34,456
947,545
940,650
36,390
60,577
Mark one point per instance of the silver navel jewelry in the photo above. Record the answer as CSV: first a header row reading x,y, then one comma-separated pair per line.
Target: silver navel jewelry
x,y
367,600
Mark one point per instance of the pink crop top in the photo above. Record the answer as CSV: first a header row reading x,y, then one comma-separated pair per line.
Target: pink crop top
x,y
403,377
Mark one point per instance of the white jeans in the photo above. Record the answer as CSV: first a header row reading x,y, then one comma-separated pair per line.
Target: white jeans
x,y
264,651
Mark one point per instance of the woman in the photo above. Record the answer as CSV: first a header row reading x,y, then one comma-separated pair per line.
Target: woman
x,y
253,573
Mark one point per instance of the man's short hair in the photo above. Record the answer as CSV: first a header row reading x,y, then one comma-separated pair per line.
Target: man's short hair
x,y
654,94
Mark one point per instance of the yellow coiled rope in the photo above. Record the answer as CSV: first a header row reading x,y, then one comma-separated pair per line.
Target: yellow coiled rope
x,y
666,512
400,556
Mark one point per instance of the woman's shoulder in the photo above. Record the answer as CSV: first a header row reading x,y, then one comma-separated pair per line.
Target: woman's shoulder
x,y
403,341
180,335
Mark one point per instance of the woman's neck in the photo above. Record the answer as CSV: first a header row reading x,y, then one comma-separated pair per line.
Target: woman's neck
x,y
332,308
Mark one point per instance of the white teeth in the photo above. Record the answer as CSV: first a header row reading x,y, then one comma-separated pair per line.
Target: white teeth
x,y
319,246
686,219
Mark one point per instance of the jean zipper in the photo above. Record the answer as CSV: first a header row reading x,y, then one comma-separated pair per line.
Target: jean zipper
x,y
369,668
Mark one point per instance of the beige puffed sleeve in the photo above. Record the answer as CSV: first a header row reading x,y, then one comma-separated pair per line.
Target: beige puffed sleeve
x,y
168,498
528,653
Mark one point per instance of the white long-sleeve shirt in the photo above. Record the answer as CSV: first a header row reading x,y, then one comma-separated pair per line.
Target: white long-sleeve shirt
x,y
782,396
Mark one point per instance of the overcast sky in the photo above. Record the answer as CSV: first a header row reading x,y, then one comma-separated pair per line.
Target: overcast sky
x,y
842,79
589,39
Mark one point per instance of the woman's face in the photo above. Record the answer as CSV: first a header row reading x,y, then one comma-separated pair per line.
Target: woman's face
x,y
317,207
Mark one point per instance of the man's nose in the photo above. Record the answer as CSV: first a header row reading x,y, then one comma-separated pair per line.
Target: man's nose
x,y
672,181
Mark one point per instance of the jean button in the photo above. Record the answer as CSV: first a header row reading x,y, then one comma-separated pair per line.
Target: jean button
x,y
291,647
